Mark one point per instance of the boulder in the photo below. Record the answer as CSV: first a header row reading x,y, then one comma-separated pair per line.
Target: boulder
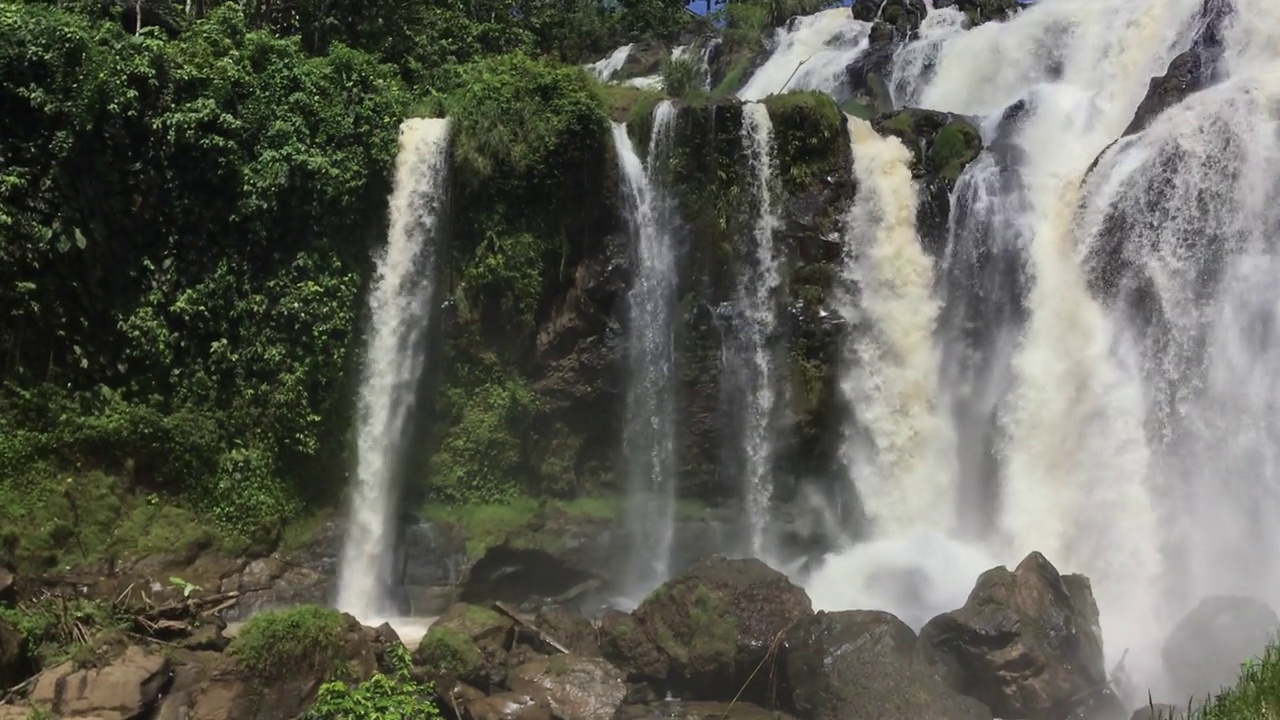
x,y
981,11
572,631
127,688
15,665
8,586
625,643
863,664
719,622
942,145
671,710
468,643
644,59
575,687
1026,643
1206,648
507,706
525,577
904,16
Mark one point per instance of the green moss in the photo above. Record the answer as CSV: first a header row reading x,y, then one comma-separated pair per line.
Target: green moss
x,y
523,522
954,147
733,79
810,137
715,632
283,643
624,102
858,110
302,533
451,652
57,629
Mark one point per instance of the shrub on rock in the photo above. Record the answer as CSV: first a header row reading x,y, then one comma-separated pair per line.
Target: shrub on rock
x,y
467,643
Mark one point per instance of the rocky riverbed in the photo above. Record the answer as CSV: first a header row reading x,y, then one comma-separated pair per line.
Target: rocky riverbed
x,y
727,639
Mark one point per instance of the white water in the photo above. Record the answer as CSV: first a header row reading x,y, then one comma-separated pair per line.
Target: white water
x,y
608,66
751,363
400,305
651,303
809,53
889,368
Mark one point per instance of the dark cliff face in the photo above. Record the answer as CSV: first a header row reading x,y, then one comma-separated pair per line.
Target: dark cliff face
x,y
570,437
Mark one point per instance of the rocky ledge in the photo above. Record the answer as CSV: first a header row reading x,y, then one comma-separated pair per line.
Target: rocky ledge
x,y
728,639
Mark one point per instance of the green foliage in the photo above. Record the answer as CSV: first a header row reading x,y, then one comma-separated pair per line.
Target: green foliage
x,y
954,147
1255,695
449,651
746,22
391,695
56,628
681,76
283,643
482,454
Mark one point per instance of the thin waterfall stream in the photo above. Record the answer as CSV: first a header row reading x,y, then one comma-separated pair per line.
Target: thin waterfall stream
x,y
400,315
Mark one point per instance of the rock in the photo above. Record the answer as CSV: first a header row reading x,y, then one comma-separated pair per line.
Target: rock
x,y
523,576
863,664
1206,648
625,643
1158,712
574,632
904,16
576,687
507,706
207,637
644,59
669,710
981,11
126,688
1026,643
15,664
942,146
1190,72
467,643
718,622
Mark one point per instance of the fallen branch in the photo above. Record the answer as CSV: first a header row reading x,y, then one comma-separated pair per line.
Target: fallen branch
x,y
14,691
770,653
522,621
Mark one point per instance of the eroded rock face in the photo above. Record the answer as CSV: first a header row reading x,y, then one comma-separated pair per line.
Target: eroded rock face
x,y
716,623
865,665
1205,649
575,687
1027,643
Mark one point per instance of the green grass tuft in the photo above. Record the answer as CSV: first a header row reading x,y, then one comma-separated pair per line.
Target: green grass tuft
x,y
282,643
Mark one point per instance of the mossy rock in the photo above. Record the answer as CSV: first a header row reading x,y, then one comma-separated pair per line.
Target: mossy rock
x,y
810,138
941,144
717,623
625,643
468,643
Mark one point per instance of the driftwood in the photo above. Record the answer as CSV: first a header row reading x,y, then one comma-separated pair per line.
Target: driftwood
x,y
525,626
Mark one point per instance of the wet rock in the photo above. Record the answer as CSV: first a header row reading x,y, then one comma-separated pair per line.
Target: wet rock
x,y
981,11
207,637
467,643
904,16
576,687
507,706
15,665
124,689
624,642
1026,643
942,146
1158,712
644,59
669,710
1206,648
858,665
1190,72
574,632
521,575
718,622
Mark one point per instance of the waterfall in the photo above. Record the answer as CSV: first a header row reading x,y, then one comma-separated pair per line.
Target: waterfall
x,y
896,447
811,53
889,371
651,304
750,363
400,306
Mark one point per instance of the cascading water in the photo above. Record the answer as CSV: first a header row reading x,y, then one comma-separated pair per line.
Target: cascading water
x,y
811,53
400,305
649,440
751,366
895,450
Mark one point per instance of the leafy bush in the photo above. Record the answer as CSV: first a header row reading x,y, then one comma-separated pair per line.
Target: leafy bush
x,y
55,628
482,455
393,695
302,640
681,76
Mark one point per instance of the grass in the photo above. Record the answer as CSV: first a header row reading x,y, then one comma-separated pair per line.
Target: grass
x,y
1256,695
